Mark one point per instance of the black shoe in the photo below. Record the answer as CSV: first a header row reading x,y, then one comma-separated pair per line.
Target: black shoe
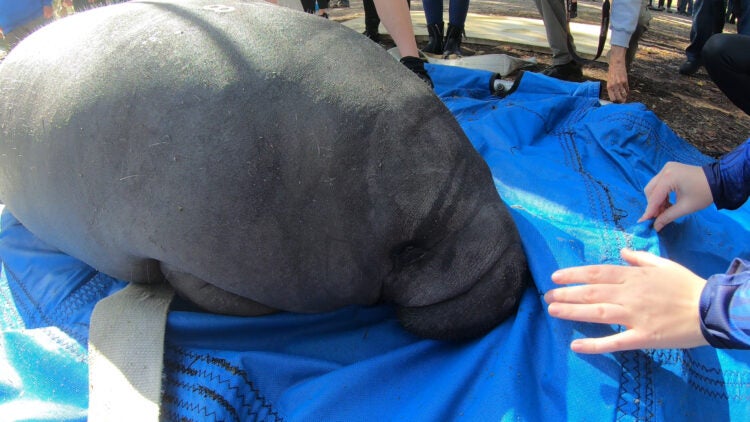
x,y
340,4
570,71
373,35
689,67
573,10
435,35
452,46
416,65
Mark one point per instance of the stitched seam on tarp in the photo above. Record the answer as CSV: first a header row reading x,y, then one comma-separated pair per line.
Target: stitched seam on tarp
x,y
710,381
80,296
9,314
703,378
599,197
42,317
28,309
648,404
175,362
207,394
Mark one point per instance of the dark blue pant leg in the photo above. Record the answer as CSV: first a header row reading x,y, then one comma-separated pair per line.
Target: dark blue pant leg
x,y
708,19
743,20
457,10
433,11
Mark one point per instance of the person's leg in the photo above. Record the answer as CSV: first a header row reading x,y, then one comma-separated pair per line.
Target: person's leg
x,y
708,19
323,8
727,60
308,6
573,9
555,24
457,11
433,11
433,14
372,20
743,17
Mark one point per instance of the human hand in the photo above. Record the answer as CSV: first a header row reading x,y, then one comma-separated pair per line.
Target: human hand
x,y
690,185
617,75
654,298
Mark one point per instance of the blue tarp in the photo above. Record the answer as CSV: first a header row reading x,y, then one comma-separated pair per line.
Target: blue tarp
x,y
14,13
572,172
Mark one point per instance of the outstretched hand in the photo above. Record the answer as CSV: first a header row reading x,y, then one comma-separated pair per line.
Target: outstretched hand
x,y
654,298
690,185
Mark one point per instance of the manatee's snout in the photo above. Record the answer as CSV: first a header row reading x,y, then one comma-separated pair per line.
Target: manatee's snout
x,y
491,299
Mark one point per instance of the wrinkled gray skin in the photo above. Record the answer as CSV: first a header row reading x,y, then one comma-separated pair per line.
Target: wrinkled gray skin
x,y
259,159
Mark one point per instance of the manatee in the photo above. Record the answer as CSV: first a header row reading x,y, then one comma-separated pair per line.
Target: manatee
x,y
258,159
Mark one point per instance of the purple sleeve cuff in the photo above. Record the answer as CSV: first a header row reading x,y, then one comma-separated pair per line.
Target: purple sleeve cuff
x,y
725,307
729,178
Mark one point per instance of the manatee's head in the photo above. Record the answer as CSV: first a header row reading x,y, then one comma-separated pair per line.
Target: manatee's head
x,y
489,301
465,284
458,268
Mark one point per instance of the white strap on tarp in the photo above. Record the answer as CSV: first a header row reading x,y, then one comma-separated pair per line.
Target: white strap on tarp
x,y
126,353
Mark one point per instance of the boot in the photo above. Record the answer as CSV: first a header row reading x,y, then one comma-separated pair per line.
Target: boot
x,y
372,23
373,35
435,43
453,41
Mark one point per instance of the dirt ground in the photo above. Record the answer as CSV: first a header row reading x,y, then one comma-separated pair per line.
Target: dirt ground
x,y
692,106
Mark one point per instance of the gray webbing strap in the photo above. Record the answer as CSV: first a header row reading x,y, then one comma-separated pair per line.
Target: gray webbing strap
x,y
126,353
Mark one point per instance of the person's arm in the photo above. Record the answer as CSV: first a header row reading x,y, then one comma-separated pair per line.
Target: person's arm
x,y
690,186
729,178
725,307
623,21
661,303
656,299
394,15
725,182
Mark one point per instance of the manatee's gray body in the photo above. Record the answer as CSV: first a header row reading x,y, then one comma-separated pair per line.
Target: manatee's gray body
x,y
260,159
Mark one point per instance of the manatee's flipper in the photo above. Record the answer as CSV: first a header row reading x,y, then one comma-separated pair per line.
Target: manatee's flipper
x,y
210,297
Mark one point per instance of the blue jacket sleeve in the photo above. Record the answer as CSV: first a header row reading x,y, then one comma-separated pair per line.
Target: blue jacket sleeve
x,y
725,307
729,178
